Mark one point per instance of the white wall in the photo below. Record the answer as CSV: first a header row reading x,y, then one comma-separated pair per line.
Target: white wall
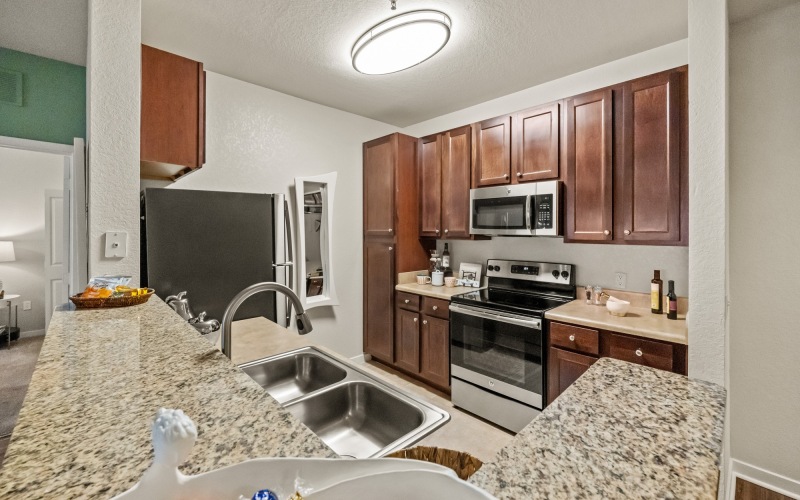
x,y
113,80
259,140
24,176
764,242
595,264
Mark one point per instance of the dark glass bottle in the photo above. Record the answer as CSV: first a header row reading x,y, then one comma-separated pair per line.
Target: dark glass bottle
x,y
672,313
446,262
657,293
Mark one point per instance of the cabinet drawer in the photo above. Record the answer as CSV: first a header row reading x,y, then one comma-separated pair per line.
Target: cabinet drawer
x,y
640,351
407,301
437,308
575,338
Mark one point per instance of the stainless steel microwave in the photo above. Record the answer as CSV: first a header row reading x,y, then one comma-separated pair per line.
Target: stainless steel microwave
x,y
530,209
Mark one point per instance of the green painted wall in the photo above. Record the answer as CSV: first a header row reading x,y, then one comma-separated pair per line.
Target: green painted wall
x,y
53,100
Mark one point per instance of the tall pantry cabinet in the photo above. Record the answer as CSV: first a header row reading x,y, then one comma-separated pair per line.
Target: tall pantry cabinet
x,y
391,237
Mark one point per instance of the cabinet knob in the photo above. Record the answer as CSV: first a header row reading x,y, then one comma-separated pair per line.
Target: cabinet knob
x,y
424,321
391,248
435,308
505,176
627,232
639,352
446,231
415,320
572,338
388,230
437,231
407,301
519,175
606,232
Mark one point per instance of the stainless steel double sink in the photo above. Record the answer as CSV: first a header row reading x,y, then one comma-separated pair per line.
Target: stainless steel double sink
x,y
354,413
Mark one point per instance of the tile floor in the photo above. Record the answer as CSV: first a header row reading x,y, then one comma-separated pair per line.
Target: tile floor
x,y
258,337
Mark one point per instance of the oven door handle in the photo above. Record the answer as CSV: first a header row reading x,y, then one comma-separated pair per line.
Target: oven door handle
x,y
503,318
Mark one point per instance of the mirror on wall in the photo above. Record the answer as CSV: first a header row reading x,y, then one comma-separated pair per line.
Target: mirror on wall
x,y
314,199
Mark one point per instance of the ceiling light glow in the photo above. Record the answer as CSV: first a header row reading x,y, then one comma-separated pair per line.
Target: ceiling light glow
x,y
401,42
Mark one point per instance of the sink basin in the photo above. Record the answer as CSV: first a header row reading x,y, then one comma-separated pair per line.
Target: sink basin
x,y
357,418
287,377
354,413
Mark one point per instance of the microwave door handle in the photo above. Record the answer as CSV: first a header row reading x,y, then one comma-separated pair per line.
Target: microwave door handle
x,y
529,209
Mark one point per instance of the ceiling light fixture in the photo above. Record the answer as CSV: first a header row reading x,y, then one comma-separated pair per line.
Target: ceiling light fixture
x,y
401,42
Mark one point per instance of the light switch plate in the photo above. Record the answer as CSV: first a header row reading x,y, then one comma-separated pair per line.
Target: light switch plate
x,y
116,244
620,280
26,305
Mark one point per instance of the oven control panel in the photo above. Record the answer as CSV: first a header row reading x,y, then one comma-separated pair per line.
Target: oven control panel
x,y
547,272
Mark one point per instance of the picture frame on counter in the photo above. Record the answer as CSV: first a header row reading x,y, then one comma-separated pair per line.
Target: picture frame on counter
x,y
467,271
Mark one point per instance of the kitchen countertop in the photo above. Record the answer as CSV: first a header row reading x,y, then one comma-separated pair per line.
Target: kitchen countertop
x,y
639,321
437,292
620,431
84,429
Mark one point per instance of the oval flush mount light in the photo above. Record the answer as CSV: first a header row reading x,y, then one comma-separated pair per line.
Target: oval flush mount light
x,y
401,42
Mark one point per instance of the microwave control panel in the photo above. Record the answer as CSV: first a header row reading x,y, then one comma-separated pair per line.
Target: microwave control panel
x,y
544,211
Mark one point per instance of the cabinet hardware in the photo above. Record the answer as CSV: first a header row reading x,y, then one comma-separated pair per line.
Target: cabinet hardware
x,y
437,231
639,352
407,301
435,307
391,248
572,338
627,232
519,175
415,320
424,321
505,176
606,232
446,231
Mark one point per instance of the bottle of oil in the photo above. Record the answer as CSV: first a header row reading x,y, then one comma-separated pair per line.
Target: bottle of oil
x,y
672,312
446,262
657,293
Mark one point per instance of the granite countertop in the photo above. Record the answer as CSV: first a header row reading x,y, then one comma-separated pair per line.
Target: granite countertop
x,y
620,431
84,429
437,292
639,321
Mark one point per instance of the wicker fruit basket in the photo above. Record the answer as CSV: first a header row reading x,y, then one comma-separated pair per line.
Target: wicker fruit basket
x,y
98,303
461,462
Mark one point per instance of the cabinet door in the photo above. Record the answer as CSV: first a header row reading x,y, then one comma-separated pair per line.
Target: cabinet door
x,y
379,299
456,171
172,109
406,340
435,351
379,167
589,167
536,142
564,368
652,165
430,179
493,152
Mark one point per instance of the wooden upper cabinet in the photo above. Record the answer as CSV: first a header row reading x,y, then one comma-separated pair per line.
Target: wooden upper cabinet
x,y
651,135
379,179
536,143
493,152
430,179
379,299
172,114
456,172
589,206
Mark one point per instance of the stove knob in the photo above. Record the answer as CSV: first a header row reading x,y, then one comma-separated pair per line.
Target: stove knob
x,y
564,274
555,274
496,268
490,268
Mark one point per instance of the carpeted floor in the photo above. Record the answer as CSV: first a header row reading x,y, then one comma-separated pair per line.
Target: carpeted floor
x,y
16,368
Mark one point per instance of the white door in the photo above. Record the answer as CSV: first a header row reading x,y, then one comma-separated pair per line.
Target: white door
x,y
55,288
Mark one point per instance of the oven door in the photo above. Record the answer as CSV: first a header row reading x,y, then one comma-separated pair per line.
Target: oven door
x,y
500,212
498,351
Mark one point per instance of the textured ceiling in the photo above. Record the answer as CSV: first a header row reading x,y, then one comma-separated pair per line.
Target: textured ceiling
x,y
47,28
302,47
739,10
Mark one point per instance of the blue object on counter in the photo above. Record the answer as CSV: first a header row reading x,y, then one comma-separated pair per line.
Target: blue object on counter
x,y
265,495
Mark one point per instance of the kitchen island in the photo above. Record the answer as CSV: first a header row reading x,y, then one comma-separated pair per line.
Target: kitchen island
x,y
83,432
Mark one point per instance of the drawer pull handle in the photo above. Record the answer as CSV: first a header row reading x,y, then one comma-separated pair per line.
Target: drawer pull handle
x,y
406,301
572,338
415,320
424,321
639,352
435,308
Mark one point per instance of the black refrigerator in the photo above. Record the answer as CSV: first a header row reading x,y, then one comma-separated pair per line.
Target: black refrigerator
x,y
213,244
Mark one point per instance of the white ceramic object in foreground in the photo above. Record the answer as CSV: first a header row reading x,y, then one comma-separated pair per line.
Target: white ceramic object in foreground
x,y
617,307
174,435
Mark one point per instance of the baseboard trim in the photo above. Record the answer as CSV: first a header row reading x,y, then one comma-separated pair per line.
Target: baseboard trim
x,y
757,475
31,333
360,359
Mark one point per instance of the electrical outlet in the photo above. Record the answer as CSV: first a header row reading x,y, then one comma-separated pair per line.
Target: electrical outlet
x,y
26,305
620,280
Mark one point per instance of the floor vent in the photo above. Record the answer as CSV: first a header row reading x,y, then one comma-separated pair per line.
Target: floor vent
x,y
10,87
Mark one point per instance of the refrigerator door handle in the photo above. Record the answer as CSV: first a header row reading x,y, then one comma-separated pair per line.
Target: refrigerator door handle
x,y
290,258
284,264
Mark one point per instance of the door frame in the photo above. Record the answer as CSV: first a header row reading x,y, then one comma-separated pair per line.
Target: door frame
x,y
75,181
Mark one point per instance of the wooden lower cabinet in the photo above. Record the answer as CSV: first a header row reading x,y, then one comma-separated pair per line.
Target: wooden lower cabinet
x,y
379,299
563,369
435,351
406,340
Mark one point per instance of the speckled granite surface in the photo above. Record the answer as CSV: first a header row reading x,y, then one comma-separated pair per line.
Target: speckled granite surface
x,y
84,429
620,431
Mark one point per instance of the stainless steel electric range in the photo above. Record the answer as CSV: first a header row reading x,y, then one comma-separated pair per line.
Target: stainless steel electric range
x,y
497,340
